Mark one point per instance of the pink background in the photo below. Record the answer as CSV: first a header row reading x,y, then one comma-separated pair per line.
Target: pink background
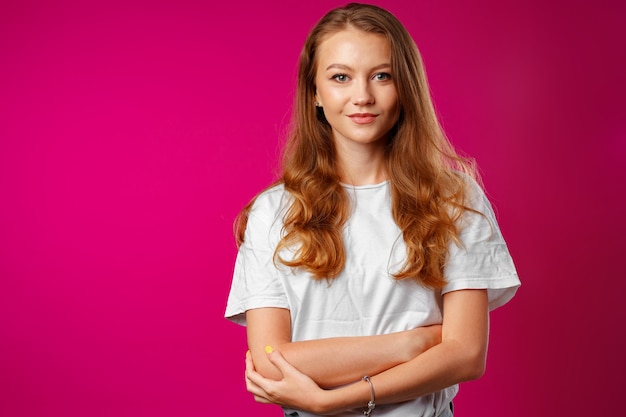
x,y
131,134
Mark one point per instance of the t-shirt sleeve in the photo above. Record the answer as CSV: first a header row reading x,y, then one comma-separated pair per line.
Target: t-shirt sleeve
x,y
256,281
482,261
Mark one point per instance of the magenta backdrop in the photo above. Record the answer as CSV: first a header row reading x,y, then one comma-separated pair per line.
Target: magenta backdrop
x,y
131,134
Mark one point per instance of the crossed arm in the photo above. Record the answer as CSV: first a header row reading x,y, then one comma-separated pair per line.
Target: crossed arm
x,y
321,376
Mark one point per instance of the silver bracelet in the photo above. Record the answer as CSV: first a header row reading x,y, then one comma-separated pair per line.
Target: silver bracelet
x,y
371,404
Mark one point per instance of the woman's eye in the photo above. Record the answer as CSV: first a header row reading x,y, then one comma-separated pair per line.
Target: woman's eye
x,y
342,78
382,76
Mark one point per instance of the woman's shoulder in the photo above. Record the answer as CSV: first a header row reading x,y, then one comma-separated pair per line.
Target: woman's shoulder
x,y
271,201
263,216
472,185
470,180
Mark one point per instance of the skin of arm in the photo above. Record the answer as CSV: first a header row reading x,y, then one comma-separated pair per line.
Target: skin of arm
x,y
331,362
459,357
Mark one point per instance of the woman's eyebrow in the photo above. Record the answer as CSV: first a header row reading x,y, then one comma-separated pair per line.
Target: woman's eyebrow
x,y
348,68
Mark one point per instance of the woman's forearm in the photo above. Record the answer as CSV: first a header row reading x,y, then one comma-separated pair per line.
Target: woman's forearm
x,y
337,361
332,362
441,366
459,357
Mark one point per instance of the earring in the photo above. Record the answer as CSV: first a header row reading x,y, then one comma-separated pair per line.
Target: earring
x,y
317,104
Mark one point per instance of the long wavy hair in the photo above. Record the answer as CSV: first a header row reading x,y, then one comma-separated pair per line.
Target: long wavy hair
x,y
427,176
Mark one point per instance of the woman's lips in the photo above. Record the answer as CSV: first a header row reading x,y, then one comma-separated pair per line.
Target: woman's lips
x,y
362,118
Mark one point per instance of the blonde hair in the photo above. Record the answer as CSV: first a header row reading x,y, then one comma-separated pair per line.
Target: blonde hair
x,y
427,177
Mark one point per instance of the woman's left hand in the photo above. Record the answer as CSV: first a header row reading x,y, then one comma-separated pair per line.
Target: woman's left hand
x,y
294,390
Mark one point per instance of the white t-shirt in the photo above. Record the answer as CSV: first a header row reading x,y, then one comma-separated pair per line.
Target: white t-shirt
x,y
365,299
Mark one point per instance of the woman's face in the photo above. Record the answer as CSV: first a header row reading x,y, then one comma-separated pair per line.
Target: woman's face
x,y
354,86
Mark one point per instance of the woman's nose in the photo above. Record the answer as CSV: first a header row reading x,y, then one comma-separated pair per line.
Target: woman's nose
x,y
362,94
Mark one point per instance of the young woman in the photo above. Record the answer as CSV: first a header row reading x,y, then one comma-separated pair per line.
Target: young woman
x,y
366,274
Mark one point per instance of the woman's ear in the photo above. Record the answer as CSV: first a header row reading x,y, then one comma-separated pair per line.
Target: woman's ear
x,y
318,102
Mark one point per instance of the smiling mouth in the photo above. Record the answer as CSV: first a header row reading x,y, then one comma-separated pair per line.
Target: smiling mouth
x,y
362,118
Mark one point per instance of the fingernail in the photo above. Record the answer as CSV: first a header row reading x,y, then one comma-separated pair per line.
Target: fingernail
x,y
247,353
269,349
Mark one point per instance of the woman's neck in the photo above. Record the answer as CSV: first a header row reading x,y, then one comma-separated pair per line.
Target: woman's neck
x,y
363,167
